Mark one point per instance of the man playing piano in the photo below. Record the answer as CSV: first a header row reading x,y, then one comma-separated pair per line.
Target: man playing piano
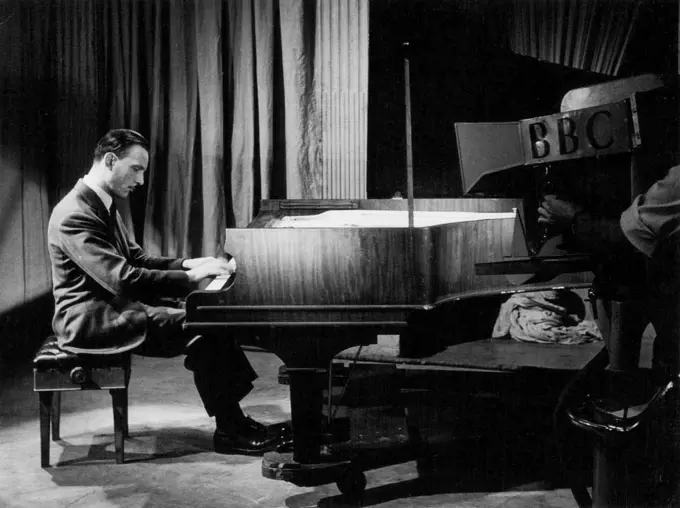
x,y
105,288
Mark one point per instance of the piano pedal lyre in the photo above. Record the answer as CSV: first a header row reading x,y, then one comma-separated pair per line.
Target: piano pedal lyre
x,y
337,422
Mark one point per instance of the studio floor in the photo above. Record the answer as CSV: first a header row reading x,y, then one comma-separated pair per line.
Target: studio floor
x,y
170,462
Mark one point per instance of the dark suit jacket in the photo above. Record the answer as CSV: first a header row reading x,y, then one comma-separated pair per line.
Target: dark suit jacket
x,y
100,276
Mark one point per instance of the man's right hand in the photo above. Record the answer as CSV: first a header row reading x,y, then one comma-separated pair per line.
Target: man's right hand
x,y
212,268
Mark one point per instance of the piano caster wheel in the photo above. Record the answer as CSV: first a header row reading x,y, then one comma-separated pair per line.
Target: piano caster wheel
x,y
78,376
352,483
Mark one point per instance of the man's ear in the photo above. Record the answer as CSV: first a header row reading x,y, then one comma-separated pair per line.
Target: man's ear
x,y
110,159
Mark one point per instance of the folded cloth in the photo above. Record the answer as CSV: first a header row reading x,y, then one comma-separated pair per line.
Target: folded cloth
x,y
547,317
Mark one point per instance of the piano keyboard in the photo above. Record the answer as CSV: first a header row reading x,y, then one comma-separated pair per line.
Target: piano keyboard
x,y
217,283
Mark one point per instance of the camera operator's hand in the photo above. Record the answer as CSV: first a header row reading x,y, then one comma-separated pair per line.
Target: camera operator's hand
x,y
557,212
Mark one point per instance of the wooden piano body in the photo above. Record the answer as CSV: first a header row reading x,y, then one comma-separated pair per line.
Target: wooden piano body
x,y
343,277
383,264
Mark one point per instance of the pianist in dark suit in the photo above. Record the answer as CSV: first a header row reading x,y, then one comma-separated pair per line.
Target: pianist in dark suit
x,y
105,287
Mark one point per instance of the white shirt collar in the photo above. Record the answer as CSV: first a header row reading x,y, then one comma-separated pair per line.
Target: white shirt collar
x,y
103,195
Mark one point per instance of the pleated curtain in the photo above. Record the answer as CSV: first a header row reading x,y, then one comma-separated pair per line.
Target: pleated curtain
x,y
592,35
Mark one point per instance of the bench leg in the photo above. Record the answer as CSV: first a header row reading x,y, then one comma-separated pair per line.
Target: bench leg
x,y
126,424
45,416
118,397
56,416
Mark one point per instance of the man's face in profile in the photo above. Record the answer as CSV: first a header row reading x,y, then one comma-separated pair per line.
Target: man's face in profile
x,y
127,173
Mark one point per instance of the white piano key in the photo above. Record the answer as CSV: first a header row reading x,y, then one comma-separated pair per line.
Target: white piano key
x,y
217,283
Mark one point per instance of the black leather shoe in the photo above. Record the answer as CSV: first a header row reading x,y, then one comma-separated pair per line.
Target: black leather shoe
x,y
282,429
246,445
249,438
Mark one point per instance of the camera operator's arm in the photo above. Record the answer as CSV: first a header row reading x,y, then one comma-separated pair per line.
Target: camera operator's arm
x,y
651,217
654,215
598,235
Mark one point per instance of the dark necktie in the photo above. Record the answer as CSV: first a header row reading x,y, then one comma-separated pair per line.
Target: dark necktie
x,y
112,217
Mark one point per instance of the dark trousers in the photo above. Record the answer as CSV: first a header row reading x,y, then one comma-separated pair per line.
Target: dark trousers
x,y
222,372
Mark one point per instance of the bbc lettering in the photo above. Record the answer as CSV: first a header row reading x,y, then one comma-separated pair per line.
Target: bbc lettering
x,y
582,133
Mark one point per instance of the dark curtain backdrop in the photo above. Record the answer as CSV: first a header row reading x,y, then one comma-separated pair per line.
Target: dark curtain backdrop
x,y
592,35
24,152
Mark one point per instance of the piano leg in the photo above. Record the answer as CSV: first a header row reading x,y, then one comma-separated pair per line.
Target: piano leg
x,y
306,465
307,358
306,399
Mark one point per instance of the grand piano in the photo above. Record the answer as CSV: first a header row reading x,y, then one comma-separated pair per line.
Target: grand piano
x,y
307,290
318,277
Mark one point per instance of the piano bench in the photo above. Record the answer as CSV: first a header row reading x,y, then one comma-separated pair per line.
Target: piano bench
x,y
56,371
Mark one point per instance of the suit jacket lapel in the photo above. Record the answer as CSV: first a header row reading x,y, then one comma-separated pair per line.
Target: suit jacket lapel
x,y
116,233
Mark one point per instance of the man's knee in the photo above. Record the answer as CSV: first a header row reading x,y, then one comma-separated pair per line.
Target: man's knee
x,y
200,352
165,336
206,351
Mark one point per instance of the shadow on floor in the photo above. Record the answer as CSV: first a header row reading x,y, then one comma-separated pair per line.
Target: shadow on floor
x,y
159,446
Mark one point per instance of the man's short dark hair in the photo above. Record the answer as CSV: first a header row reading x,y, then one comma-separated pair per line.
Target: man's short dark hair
x,y
119,142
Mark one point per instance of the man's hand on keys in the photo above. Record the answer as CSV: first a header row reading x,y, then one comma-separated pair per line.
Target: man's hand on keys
x,y
228,264
203,268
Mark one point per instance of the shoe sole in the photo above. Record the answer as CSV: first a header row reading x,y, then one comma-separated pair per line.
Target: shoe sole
x,y
232,450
